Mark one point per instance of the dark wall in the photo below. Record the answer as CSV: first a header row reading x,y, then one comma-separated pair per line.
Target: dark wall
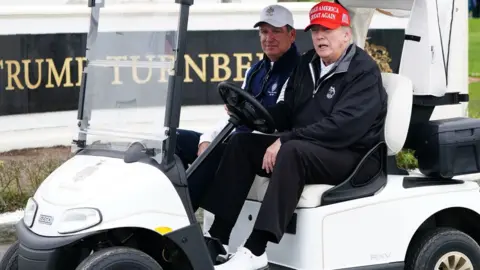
x,y
41,73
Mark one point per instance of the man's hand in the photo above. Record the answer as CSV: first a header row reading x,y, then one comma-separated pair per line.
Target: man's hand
x,y
202,147
270,156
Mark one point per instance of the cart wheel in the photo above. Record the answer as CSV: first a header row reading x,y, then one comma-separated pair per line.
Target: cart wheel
x,y
10,258
444,249
119,258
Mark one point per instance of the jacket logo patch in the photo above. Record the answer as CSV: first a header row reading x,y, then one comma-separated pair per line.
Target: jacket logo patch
x,y
331,92
273,91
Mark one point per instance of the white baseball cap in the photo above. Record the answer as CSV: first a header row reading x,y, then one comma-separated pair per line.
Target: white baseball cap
x,y
276,15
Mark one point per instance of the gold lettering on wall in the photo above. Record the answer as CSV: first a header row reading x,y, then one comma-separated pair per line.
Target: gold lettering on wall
x,y
26,74
80,63
223,66
52,71
116,70
201,72
13,69
204,67
240,66
135,69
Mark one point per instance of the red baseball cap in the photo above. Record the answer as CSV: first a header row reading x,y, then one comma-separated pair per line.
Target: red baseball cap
x,y
329,15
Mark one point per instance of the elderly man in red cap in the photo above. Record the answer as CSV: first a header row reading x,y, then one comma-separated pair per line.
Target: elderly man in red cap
x,y
333,112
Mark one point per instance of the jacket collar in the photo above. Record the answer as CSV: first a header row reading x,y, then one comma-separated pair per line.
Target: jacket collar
x,y
340,66
344,61
286,61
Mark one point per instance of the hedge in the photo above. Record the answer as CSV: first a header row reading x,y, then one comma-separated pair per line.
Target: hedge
x,y
20,178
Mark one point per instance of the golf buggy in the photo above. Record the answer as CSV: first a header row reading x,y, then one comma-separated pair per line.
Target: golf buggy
x,y
121,200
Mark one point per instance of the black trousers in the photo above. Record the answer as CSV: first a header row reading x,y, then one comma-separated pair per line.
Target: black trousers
x,y
297,163
202,177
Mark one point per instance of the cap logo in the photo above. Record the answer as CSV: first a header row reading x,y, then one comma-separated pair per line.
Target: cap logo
x,y
270,11
324,8
329,15
323,15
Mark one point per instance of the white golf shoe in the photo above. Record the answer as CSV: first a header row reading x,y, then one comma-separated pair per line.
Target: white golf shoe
x,y
244,259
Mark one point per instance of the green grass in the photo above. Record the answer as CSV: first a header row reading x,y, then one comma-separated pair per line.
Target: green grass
x,y
474,103
474,48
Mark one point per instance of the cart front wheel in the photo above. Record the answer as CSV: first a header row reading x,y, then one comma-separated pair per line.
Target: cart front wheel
x,y
10,258
119,258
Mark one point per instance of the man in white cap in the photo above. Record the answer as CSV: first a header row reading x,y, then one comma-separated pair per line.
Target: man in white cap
x,y
264,80
277,32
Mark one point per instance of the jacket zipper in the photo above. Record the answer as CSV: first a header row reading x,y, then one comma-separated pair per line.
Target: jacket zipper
x,y
267,76
265,80
327,76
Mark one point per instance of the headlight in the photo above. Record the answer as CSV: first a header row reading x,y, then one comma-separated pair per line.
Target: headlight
x,y
75,220
30,212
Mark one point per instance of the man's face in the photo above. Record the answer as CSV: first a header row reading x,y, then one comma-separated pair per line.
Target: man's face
x,y
330,43
275,41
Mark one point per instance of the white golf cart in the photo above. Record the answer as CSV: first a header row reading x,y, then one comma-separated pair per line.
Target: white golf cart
x,y
121,201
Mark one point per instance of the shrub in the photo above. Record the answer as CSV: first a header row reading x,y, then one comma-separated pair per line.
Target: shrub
x,y
20,178
406,160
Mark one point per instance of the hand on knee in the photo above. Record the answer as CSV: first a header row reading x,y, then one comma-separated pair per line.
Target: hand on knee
x,y
270,156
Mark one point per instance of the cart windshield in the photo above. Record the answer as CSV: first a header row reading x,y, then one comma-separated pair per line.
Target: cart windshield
x,y
127,78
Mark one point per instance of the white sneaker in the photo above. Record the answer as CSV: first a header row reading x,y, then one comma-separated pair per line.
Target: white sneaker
x,y
243,259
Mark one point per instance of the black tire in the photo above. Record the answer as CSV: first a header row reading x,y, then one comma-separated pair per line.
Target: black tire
x,y
119,258
10,258
427,251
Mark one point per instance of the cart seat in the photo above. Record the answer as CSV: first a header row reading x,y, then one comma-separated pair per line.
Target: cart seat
x,y
311,195
400,100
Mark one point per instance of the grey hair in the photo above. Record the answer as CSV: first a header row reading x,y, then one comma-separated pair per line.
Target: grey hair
x,y
349,29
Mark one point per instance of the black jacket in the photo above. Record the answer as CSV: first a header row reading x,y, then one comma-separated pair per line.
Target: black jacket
x,y
347,111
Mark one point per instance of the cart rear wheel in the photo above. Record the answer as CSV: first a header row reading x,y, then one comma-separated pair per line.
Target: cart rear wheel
x,y
444,249
10,258
119,258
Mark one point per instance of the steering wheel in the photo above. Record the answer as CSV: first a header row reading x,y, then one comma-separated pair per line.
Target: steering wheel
x,y
246,108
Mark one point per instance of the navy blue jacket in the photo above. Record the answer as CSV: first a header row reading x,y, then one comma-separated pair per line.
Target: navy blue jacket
x,y
265,83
